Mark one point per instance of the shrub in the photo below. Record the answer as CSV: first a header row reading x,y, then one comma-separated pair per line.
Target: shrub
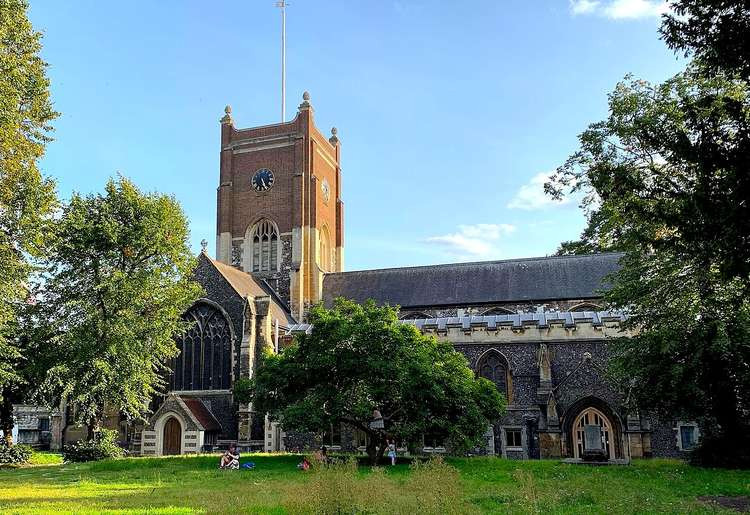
x,y
716,450
104,445
15,454
242,390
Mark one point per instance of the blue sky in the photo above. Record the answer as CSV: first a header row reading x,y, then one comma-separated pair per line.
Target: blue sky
x,y
449,113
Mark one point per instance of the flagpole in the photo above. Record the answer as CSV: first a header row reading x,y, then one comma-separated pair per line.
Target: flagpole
x,y
282,5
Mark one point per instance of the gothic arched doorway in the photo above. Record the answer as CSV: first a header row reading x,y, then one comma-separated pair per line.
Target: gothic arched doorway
x,y
592,416
172,437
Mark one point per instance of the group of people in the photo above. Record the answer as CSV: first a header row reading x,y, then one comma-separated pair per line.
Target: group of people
x,y
321,456
231,457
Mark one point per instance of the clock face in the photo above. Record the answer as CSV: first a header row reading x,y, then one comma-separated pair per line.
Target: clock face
x,y
262,180
326,190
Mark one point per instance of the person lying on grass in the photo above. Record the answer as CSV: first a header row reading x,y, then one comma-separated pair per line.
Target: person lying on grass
x,y
230,459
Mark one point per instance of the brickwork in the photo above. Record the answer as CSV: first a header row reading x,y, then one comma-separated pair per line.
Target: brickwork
x,y
301,160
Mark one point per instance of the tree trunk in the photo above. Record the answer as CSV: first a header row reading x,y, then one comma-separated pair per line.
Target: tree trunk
x,y
6,419
371,450
381,450
91,428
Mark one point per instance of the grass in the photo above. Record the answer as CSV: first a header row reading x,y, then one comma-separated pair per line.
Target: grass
x,y
476,485
46,458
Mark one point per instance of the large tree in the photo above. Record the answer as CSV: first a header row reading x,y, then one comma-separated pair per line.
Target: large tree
x,y
27,199
120,277
666,180
360,358
716,33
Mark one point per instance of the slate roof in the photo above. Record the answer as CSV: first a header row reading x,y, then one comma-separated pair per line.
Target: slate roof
x,y
492,322
245,284
202,413
514,280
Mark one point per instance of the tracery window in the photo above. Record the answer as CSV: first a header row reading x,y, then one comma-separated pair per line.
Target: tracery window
x,y
204,361
492,366
264,240
413,315
586,306
498,311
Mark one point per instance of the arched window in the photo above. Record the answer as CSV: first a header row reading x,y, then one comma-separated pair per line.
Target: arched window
x,y
493,366
204,361
413,315
326,256
498,311
264,243
586,306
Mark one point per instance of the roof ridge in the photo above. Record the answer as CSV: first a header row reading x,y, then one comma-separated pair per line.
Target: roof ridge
x,y
469,263
227,271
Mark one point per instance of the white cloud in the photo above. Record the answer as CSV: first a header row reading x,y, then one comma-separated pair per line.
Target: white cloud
x,y
631,9
583,6
531,196
620,9
473,240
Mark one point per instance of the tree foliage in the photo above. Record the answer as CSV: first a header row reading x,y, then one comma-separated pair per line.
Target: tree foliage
x,y
120,277
27,199
715,32
360,358
666,179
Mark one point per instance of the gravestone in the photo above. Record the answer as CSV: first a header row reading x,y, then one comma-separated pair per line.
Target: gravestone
x,y
593,449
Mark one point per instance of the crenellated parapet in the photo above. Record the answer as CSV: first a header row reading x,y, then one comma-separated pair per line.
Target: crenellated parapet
x,y
546,326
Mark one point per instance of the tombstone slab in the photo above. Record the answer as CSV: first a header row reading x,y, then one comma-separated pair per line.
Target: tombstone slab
x,y
593,448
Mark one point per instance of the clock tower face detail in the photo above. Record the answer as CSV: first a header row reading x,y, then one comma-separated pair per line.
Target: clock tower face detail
x,y
279,207
262,180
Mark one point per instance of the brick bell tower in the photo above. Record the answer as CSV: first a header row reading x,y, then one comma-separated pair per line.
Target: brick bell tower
x,y
279,211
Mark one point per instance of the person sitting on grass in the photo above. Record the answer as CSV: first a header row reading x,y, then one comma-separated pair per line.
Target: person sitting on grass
x,y
304,464
230,459
322,455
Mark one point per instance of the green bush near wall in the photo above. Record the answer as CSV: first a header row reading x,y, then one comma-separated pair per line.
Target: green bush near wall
x,y
104,445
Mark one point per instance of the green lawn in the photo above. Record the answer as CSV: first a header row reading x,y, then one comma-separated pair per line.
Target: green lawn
x,y
478,485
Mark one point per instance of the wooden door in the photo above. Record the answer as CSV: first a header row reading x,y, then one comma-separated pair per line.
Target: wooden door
x,y
172,437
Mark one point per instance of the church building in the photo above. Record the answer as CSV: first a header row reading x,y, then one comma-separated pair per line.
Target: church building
x,y
535,327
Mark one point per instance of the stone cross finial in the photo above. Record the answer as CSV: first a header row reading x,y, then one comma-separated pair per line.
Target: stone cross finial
x,y
305,100
227,118
204,245
334,138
